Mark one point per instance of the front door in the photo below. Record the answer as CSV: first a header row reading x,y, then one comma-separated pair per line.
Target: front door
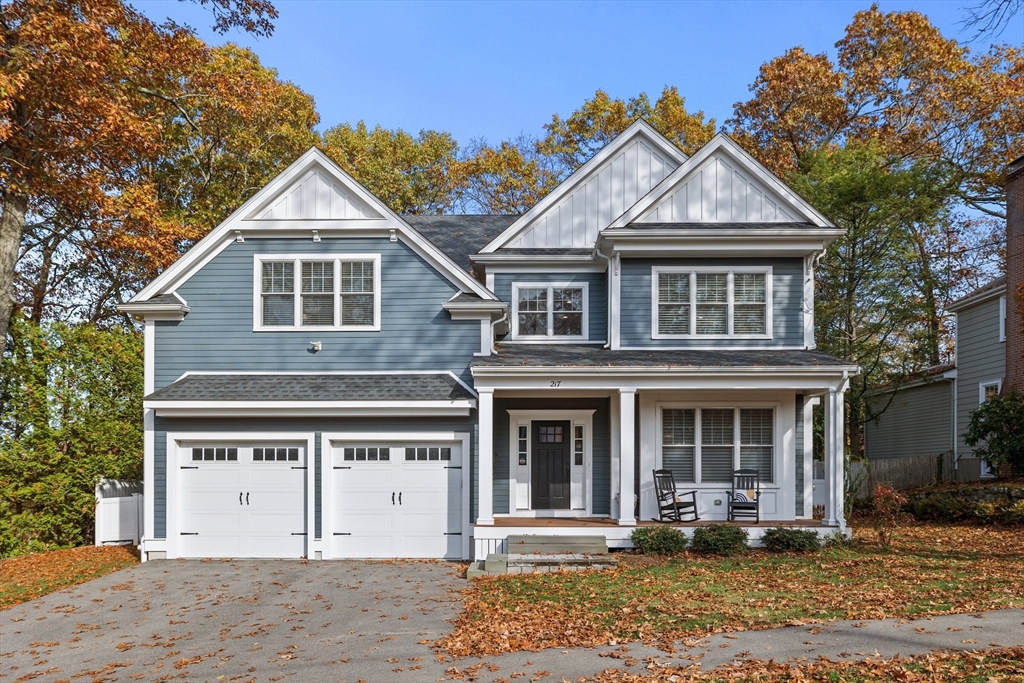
x,y
550,470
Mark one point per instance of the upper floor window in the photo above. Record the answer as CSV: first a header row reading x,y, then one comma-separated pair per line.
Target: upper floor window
x,y
549,312
712,303
335,292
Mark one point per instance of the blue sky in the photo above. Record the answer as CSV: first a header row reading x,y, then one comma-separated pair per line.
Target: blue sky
x,y
496,69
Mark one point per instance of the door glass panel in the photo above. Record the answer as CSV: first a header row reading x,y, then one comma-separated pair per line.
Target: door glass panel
x,y
550,433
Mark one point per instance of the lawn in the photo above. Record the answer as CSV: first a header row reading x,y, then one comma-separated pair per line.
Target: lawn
x,y
31,576
930,569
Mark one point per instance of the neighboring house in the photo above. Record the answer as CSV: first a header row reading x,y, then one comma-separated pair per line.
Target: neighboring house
x,y
323,375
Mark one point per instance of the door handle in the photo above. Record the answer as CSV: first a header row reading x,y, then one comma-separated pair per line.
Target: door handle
x,y
392,497
239,497
399,497
246,497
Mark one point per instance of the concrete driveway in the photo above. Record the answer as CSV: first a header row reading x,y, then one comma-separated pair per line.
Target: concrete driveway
x,y
238,620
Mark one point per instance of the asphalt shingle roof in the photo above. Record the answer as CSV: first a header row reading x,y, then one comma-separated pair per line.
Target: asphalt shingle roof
x,y
460,236
399,387
515,355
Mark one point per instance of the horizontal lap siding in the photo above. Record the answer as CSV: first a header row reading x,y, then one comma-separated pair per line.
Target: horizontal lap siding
x,y
217,335
980,357
597,295
915,422
787,302
301,426
601,448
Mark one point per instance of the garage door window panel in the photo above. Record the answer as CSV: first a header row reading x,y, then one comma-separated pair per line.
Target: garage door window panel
x,y
214,454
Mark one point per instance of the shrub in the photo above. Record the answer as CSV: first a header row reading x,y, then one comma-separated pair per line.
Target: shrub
x,y
996,430
720,539
887,512
781,540
836,539
937,507
1013,514
659,540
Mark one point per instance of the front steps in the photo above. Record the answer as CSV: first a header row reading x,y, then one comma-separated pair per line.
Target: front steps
x,y
535,554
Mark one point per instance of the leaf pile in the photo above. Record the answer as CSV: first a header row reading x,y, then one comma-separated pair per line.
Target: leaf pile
x,y
31,576
1002,664
929,569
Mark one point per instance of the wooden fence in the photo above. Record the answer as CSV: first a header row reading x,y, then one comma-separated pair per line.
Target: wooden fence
x,y
903,473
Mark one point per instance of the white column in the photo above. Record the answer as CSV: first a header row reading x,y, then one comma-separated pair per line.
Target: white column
x,y
485,480
834,458
148,438
614,409
627,455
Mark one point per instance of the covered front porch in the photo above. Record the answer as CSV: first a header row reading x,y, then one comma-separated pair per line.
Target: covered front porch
x,y
576,433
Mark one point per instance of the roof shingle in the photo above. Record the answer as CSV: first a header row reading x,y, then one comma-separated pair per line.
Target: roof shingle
x,y
313,387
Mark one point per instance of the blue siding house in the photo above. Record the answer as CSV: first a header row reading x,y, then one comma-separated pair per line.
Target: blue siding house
x,y
327,379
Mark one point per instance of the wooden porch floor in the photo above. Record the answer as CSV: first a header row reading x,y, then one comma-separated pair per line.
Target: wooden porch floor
x,y
606,521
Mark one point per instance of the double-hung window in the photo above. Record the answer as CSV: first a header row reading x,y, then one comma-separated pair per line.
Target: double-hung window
x,y
705,445
712,303
550,312
334,292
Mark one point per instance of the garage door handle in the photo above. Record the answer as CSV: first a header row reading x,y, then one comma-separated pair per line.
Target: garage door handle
x,y
246,497
392,497
341,533
239,497
189,533
399,497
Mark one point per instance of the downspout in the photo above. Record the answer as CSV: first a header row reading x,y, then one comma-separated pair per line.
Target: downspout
x,y
608,297
494,325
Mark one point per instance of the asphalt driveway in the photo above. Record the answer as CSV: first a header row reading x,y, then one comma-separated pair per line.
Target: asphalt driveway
x,y
265,620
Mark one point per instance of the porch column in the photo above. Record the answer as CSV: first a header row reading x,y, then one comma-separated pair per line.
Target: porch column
x,y
834,459
485,476
627,455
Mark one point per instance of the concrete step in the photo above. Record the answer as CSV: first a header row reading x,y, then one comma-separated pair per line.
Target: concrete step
x,y
476,570
530,563
538,543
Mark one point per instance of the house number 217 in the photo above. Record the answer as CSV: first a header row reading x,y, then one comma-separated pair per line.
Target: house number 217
x,y
556,383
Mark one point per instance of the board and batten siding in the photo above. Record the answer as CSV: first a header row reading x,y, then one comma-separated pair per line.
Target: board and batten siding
x,y
916,422
600,449
605,195
720,192
597,296
301,427
787,302
980,357
416,333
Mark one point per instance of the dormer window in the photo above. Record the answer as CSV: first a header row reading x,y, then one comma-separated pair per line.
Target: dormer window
x,y
336,292
546,312
711,303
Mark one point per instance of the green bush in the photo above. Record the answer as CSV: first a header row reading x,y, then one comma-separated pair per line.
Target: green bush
x,y
659,540
1013,514
720,539
937,507
781,540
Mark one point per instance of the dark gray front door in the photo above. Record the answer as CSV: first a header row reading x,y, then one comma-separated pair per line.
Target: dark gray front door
x,y
550,468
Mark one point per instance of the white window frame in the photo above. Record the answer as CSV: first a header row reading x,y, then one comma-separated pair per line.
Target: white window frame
x,y
551,337
997,383
656,271
337,259
1002,318
737,438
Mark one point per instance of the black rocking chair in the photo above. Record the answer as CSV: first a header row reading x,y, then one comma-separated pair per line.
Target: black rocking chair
x,y
745,497
671,504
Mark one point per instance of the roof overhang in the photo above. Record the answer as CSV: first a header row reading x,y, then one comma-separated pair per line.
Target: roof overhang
x,y
157,310
311,408
472,310
711,241
977,298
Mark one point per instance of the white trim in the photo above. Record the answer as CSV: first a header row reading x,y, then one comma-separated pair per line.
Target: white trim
x,y
193,373
615,307
739,156
173,492
807,304
1002,318
298,259
580,175
224,234
550,337
808,457
327,440
693,271
540,264
148,440
627,455
309,408
485,464
723,347
526,418
997,383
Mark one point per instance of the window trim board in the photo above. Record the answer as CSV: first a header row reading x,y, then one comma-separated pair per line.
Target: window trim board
x,y
767,271
337,259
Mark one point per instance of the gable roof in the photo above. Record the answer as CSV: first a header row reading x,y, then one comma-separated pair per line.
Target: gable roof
x,y
793,207
664,156
313,193
995,288
460,236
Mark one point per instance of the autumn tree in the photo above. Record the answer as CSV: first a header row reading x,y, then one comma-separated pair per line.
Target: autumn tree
x,y
84,85
573,140
897,81
411,174
508,179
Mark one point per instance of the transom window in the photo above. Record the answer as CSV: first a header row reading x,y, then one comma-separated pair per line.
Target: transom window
x,y
705,445
550,311
338,292
692,303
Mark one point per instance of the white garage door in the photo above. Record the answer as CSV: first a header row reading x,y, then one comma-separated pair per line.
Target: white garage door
x,y
396,500
242,500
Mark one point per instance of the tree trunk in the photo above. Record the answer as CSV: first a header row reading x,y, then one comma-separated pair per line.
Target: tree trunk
x,y
12,224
